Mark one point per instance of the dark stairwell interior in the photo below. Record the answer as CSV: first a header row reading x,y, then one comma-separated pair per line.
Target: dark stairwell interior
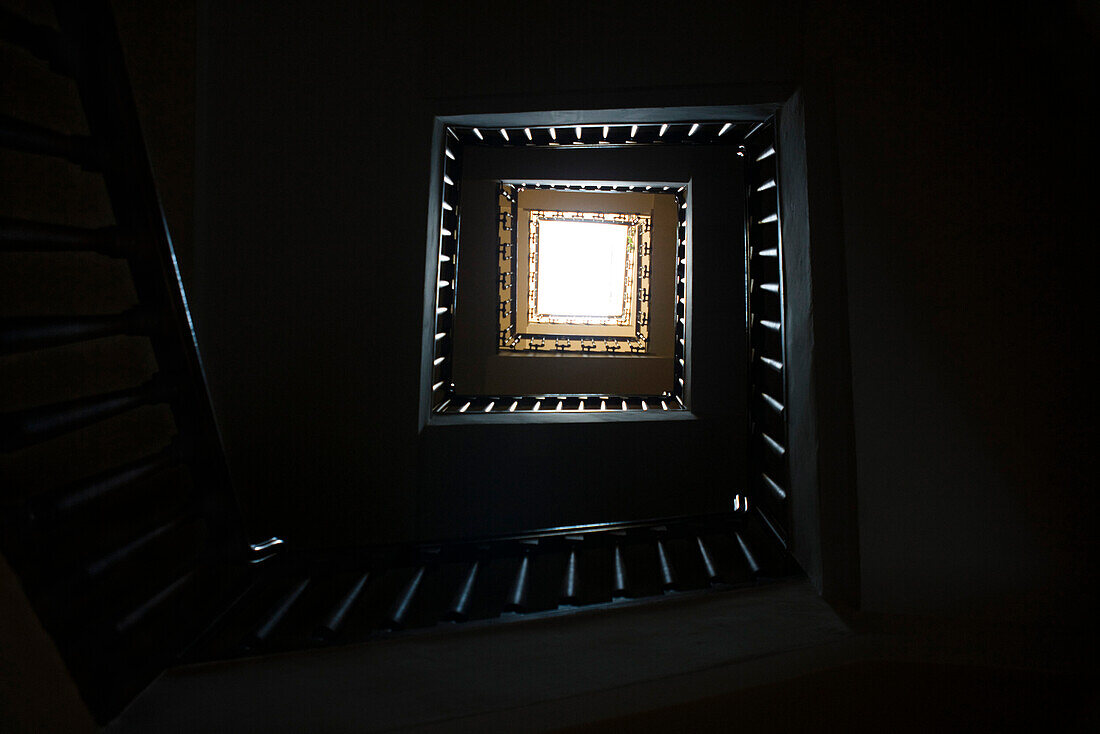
x,y
932,366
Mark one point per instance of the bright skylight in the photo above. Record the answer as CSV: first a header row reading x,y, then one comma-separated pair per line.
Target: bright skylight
x,y
581,268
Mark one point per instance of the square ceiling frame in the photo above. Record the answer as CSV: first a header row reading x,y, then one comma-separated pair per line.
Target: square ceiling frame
x,y
524,201
550,247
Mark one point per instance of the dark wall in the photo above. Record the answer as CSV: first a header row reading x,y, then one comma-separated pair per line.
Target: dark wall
x,y
963,158
959,160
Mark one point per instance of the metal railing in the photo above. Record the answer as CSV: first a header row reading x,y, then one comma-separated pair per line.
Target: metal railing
x,y
443,399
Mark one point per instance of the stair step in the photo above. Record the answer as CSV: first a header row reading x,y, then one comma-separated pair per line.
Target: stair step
x,y
29,138
642,565
333,622
276,613
41,41
595,575
378,598
437,593
51,509
690,570
31,333
546,574
20,235
496,578
459,609
23,428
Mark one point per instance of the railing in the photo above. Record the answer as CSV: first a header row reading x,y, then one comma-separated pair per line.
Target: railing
x,y
766,306
442,387
312,600
613,134
560,403
444,400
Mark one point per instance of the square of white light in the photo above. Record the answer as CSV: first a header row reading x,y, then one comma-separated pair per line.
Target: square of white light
x,y
581,268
